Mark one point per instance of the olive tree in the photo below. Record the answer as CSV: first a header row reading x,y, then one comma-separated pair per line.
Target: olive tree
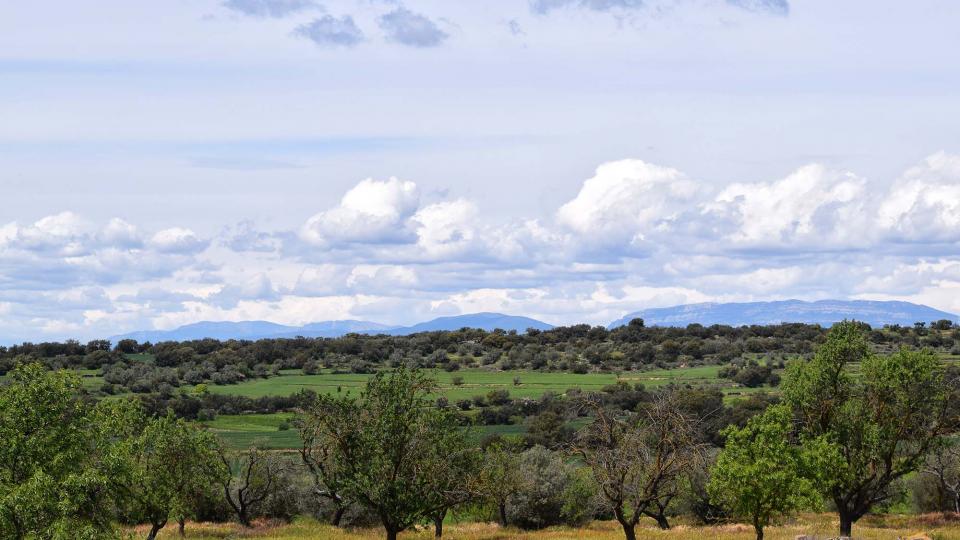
x,y
883,420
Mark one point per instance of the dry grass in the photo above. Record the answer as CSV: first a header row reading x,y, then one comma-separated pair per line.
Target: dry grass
x,y
934,526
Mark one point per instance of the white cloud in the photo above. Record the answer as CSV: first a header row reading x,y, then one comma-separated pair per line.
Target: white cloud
x,y
446,228
373,211
120,233
177,240
636,235
812,207
924,204
628,201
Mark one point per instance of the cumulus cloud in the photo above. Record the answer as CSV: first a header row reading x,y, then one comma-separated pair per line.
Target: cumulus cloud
x,y
411,29
177,240
812,206
373,212
270,8
627,201
635,235
330,31
924,204
446,228
254,288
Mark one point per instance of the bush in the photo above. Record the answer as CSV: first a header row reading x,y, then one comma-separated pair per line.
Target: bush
x,y
545,499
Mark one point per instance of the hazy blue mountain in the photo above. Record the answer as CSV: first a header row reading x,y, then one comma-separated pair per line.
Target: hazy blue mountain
x,y
261,329
823,312
338,328
254,330
485,321
208,329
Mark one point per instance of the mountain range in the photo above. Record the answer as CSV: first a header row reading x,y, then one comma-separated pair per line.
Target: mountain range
x,y
823,312
262,329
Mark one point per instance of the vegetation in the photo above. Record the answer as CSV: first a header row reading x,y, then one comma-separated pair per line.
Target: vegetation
x,y
760,474
852,425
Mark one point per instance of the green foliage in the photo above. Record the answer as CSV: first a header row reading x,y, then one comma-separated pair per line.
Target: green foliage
x,y
169,465
52,482
542,499
392,446
500,478
882,422
761,475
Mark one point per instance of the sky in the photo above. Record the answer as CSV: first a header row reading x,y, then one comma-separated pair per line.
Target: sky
x,y
163,163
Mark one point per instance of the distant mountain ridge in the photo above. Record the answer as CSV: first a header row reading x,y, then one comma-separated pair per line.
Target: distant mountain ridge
x,y
254,330
823,312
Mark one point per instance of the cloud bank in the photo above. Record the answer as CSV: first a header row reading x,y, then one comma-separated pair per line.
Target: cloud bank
x,y
635,235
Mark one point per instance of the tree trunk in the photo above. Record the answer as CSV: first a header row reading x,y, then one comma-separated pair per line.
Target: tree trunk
x,y
155,529
759,529
391,534
662,521
502,507
181,526
846,525
338,515
438,523
629,526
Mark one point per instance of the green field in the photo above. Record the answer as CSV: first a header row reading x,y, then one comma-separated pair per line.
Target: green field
x,y
242,430
475,382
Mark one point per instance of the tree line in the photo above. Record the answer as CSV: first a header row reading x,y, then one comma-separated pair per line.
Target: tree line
x,y
852,426
129,366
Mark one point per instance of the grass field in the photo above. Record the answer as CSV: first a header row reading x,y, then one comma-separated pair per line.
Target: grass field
x,y
475,382
241,431
821,526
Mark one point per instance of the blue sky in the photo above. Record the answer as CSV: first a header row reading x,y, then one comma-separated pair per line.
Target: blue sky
x,y
572,160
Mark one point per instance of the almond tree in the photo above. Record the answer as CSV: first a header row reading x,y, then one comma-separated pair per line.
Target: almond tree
x,y
883,421
639,460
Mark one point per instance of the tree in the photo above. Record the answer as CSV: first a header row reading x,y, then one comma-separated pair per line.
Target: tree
x,y
943,465
170,463
453,478
542,499
388,444
639,460
260,474
760,474
318,453
53,483
500,478
882,422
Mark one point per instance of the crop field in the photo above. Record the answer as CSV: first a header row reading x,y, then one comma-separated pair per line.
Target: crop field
x,y
242,430
239,431
819,526
473,382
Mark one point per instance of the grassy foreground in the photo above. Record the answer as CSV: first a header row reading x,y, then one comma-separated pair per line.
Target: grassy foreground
x,y
932,526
